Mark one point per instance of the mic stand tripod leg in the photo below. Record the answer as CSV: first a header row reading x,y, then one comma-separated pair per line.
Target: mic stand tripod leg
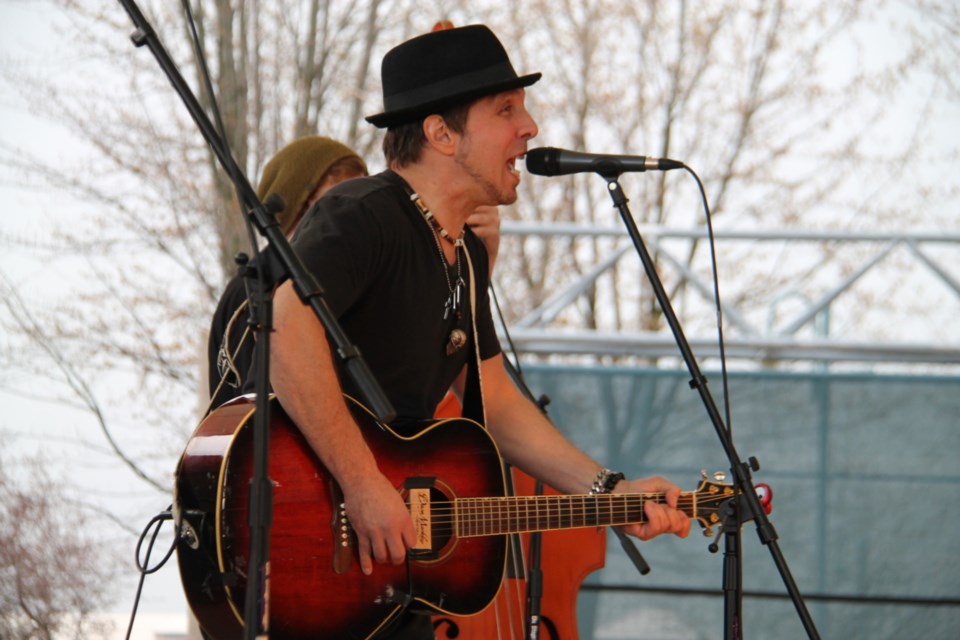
x,y
732,571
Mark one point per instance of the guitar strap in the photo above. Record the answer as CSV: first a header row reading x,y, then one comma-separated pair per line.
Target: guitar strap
x,y
473,387
226,356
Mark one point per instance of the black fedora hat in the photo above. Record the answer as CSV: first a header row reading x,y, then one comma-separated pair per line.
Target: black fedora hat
x,y
441,69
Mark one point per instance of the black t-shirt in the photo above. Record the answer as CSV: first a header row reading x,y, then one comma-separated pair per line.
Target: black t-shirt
x,y
377,260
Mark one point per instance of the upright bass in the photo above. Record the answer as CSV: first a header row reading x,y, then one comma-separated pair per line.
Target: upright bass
x,y
565,557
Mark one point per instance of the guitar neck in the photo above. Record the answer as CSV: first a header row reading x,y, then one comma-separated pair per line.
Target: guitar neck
x,y
494,516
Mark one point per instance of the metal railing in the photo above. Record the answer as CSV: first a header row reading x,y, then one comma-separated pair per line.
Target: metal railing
x,y
536,333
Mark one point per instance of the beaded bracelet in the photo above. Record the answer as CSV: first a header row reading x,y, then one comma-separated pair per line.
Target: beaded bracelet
x,y
605,481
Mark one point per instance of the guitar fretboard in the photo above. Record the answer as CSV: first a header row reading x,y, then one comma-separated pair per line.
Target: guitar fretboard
x,y
493,516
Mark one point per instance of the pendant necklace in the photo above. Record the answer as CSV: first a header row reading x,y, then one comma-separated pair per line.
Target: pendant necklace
x,y
458,336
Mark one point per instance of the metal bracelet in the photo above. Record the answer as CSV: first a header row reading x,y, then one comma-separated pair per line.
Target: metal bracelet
x,y
605,481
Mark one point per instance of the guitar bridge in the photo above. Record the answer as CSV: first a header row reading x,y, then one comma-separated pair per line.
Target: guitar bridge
x,y
342,535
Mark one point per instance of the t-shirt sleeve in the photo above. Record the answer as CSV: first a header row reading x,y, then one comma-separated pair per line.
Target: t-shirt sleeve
x,y
339,243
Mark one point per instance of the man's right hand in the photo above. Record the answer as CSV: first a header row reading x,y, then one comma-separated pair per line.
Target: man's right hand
x,y
381,521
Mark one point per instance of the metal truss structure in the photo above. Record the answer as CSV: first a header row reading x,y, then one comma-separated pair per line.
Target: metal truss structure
x,y
535,333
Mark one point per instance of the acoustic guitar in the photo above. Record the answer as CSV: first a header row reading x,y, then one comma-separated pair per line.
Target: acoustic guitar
x,y
449,473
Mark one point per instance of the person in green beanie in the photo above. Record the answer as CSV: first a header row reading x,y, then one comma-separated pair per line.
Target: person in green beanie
x,y
299,173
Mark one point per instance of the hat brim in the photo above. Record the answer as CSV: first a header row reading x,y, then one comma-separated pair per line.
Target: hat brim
x,y
410,114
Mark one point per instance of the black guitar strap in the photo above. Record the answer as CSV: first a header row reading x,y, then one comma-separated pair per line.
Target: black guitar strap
x,y
473,387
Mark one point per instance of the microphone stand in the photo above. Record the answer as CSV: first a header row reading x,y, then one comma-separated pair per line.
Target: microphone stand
x,y
280,261
748,505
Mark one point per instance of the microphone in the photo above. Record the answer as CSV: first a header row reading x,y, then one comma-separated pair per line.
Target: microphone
x,y
549,161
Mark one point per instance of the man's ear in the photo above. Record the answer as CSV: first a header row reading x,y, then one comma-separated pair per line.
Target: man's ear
x,y
439,135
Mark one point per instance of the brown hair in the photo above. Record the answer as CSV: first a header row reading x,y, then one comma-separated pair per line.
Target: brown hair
x,y
403,143
347,166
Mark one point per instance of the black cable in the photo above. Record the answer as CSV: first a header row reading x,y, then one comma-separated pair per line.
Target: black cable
x,y
208,85
716,297
506,332
144,568
215,109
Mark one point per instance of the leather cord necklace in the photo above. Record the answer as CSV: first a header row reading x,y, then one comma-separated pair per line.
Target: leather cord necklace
x,y
458,336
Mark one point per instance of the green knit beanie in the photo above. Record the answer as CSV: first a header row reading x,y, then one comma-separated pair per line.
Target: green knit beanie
x,y
296,170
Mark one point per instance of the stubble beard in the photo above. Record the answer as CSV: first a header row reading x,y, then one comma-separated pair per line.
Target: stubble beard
x,y
498,196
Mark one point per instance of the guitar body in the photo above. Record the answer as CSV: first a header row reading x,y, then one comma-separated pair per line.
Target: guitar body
x,y
316,588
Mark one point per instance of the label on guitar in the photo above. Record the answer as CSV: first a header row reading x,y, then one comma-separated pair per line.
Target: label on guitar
x,y
420,512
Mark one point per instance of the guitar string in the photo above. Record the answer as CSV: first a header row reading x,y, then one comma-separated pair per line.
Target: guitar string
x,y
474,516
563,505
488,513
497,523
588,504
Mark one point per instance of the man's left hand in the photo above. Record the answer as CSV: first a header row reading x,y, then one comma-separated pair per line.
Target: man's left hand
x,y
661,518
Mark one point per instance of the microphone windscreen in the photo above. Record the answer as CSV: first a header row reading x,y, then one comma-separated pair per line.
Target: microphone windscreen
x,y
542,161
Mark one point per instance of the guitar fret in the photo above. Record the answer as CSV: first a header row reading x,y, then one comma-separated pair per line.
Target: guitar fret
x,y
508,514
481,518
456,518
491,511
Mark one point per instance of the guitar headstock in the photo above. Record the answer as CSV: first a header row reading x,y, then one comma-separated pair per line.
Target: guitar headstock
x,y
710,496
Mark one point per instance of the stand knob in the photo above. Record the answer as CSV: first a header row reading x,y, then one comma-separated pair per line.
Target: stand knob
x,y
765,493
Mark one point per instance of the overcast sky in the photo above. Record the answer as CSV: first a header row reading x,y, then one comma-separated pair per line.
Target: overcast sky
x,y
56,432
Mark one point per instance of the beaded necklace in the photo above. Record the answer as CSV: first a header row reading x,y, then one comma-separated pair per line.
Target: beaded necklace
x,y
458,336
